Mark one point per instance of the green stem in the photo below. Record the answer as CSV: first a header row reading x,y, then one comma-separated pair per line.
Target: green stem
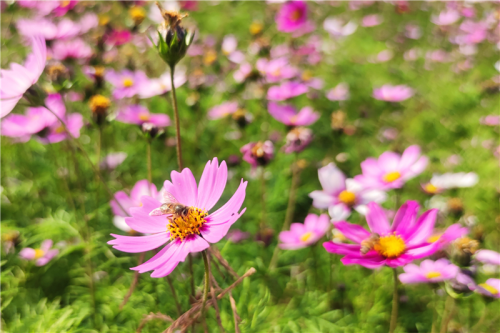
x,y
434,313
176,118
480,321
207,284
174,294
448,312
395,303
150,168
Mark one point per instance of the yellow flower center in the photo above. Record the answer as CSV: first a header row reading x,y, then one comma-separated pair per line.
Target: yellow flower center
x,y
433,238
209,57
306,75
39,253
144,116
429,188
65,4
104,19
256,28
60,130
137,14
295,15
391,246
99,104
305,237
98,71
432,275
182,226
128,82
347,197
276,72
391,176
491,289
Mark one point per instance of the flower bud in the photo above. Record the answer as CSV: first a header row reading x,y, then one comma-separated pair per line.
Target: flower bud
x,y
173,40
58,74
137,14
150,130
99,105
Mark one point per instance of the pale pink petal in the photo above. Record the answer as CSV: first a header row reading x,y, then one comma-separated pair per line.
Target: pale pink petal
x,y
212,184
136,244
141,221
186,188
377,220
27,253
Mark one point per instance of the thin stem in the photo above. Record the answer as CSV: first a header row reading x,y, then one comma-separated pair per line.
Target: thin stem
x,y
174,294
395,303
176,118
99,146
134,282
480,321
448,312
207,283
150,172
434,313
190,264
262,200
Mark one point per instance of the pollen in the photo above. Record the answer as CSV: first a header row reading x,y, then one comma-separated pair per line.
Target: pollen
x,y
144,116
349,198
391,176
137,14
434,238
429,188
296,15
210,57
306,75
39,253
182,226
305,237
391,246
489,288
256,28
432,275
99,104
60,130
128,82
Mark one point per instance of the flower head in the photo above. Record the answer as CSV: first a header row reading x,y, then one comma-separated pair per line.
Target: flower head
x,y
341,195
446,17
429,272
275,70
490,288
138,115
17,80
161,85
392,245
303,235
71,49
339,93
258,153
289,116
126,83
393,93
186,232
291,16
440,183
222,110
392,170
118,37
286,90
297,139
488,257
42,255
111,161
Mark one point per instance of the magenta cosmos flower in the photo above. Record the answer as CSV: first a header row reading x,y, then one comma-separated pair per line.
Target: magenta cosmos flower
x,y
429,272
390,93
488,257
304,234
397,245
126,83
258,153
189,231
392,170
291,16
289,116
275,70
490,288
71,49
222,110
341,195
18,79
138,115
42,255
41,122
286,90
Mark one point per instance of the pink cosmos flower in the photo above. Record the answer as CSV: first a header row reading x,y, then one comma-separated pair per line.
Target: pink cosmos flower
x,y
291,16
41,122
488,257
341,195
371,20
222,110
184,233
71,49
258,153
138,115
111,161
304,234
126,83
42,255
471,32
229,44
393,93
336,27
276,69
286,90
237,236
446,17
118,37
297,140
490,120
490,288
429,272
243,72
339,93
18,79
392,170
289,116
161,85
396,245
413,31
50,30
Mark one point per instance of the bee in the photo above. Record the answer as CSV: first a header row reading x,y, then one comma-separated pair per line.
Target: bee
x,y
369,243
170,206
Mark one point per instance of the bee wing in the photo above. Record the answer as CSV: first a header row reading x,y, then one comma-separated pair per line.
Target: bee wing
x,y
168,198
156,212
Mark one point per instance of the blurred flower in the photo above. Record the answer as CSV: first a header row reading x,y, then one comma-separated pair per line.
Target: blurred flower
x,y
413,31
463,249
126,83
189,232
439,183
384,55
454,231
488,257
42,255
222,110
491,120
237,235
291,16
289,116
341,195
392,170
304,234
371,20
258,153
73,49
395,245
438,56
339,93
338,120
112,160
243,72
490,288
337,28
429,272
229,44
141,189
393,93
297,139
10,239
41,122
18,80
161,85
446,17
99,104
117,37
138,115
49,30
286,90
137,14
471,32
276,70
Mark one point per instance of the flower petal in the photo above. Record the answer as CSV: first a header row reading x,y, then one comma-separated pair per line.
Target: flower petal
x,y
136,244
423,228
212,184
377,220
353,232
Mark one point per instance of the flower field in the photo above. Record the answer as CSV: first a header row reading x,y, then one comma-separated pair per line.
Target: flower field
x,y
250,166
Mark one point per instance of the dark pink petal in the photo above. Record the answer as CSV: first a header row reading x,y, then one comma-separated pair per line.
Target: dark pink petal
x,y
405,217
423,229
158,259
343,249
136,244
377,220
421,252
353,232
371,263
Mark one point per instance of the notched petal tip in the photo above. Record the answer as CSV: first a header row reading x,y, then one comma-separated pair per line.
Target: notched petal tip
x,y
156,212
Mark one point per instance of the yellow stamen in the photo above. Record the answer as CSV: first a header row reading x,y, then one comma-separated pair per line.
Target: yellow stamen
x,y
99,104
489,288
276,72
391,246
104,19
256,28
432,275
210,57
128,82
305,237
65,4
60,130
433,238
137,14
391,176
349,198
190,224
306,75
429,188
144,116
98,71
39,253
296,15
